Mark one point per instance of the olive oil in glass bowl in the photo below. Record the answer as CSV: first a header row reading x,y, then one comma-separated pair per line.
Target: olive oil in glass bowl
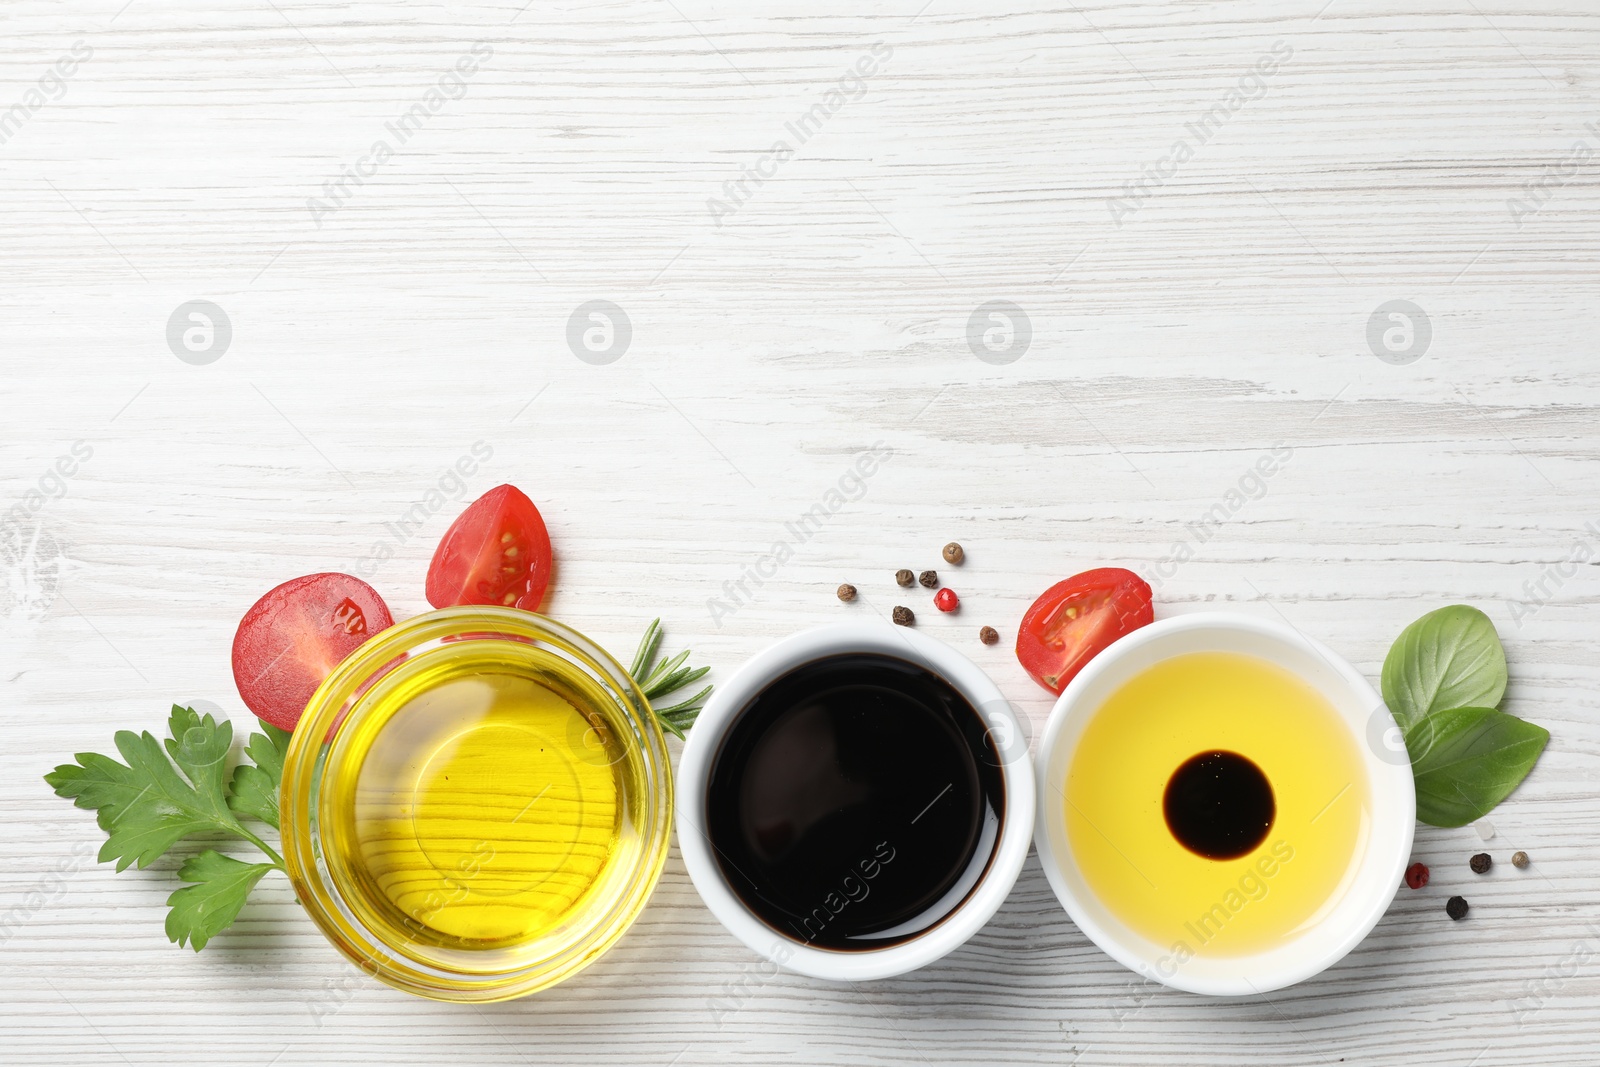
x,y
476,804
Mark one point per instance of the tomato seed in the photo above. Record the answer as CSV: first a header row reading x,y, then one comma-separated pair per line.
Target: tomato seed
x,y
347,616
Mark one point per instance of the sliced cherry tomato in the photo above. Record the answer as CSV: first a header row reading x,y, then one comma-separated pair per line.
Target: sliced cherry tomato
x,y
1073,621
293,638
496,552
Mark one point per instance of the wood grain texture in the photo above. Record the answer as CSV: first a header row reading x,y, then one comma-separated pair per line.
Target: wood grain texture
x,y
373,345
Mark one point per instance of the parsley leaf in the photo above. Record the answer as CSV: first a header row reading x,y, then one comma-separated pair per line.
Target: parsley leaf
x,y
254,789
201,911
146,806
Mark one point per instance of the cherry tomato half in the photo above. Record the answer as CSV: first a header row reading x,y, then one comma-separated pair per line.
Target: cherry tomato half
x,y
1073,621
293,638
496,552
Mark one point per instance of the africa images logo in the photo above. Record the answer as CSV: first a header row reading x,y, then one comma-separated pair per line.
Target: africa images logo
x,y
849,86
1251,85
50,87
451,85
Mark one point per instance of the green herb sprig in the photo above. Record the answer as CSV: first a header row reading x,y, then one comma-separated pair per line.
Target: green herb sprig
x,y
171,790
1443,680
670,676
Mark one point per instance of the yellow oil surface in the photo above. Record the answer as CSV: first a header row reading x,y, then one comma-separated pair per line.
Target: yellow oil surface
x,y
1117,830
479,807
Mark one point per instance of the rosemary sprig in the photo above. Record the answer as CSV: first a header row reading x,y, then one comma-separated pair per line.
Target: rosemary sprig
x,y
668,677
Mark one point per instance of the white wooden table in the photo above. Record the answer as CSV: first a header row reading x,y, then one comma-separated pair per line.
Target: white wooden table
x,y
1198,245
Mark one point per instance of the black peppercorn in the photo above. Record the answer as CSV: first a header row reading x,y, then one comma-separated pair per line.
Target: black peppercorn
x,y
904,577
1456,907
1481,863
929,579
903,617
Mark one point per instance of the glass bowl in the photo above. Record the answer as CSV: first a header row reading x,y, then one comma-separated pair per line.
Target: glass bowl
x,y
476,804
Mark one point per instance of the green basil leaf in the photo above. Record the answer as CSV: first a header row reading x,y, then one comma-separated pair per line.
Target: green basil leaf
x,y
1450,658
1467,760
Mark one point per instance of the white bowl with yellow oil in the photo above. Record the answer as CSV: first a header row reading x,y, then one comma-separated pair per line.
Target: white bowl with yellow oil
x,y
1305,886
476,804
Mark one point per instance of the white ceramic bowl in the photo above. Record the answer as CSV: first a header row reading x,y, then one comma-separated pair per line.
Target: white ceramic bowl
x,y
1387,848
996,871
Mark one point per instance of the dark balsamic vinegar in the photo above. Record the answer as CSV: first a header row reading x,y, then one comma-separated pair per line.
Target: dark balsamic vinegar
x,y
851,796
1219,805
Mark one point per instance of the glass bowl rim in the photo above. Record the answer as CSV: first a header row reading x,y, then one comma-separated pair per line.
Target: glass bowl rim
x,y
326,714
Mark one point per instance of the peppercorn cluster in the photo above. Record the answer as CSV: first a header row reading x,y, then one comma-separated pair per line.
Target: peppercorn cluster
x,y
945,599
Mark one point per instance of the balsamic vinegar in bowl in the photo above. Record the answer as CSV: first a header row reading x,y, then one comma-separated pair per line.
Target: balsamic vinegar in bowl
x,y
855,802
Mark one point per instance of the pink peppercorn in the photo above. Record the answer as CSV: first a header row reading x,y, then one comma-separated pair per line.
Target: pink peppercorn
x,y
1417,875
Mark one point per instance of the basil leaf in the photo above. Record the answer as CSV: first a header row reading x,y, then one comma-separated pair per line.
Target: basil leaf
x,y
1467,760
1450,658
